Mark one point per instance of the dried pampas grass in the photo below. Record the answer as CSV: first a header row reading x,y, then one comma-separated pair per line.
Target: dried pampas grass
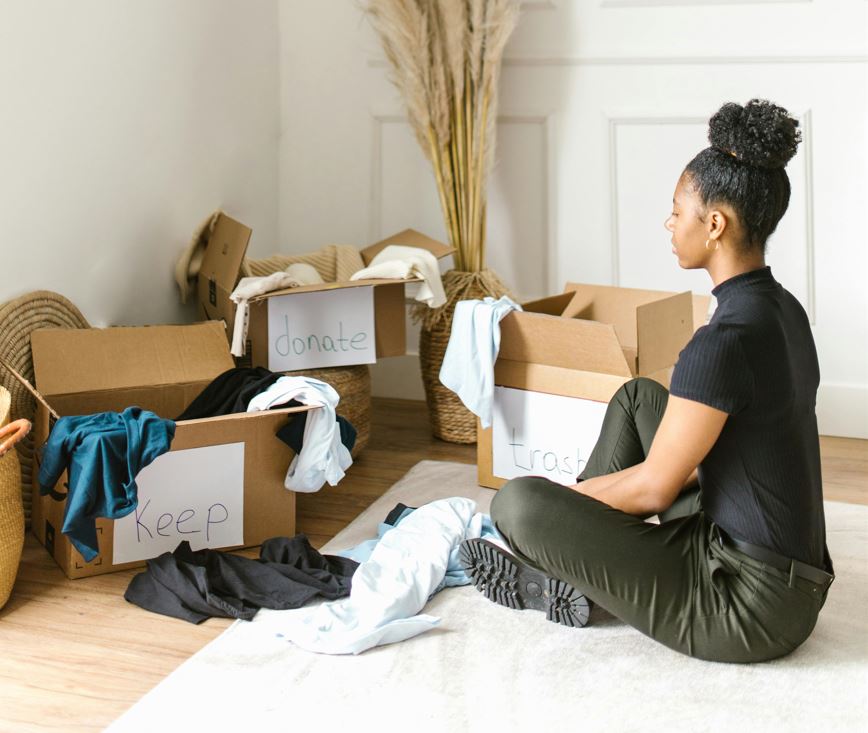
x,y
445,59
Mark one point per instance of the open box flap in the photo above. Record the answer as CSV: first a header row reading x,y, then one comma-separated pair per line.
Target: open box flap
x,y
553,305
665,326
225,253
615,305
559,342
320,287
76,360
407,238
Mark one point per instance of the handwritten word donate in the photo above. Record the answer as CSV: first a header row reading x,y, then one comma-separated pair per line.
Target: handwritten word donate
x,y
287,343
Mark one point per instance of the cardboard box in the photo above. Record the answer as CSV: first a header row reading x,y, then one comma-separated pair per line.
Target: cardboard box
x,y
559,364
331,324
234,461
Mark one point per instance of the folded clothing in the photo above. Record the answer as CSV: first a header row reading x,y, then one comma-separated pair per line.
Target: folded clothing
x,y
323,458
399,262
294,276
102,453
194,586
230,392
235,390
334,262
474,342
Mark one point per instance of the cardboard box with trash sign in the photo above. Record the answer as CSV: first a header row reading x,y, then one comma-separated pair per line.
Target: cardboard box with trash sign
x,y
221,485
310,326
560,361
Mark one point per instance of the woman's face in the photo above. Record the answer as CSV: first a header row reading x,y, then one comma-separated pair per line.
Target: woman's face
x,y
689,232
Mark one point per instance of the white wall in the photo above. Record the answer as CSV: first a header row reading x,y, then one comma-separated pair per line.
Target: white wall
x,y
602,105
123,123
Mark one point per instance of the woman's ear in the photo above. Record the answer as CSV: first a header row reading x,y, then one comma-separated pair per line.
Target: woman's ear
x,y
717,222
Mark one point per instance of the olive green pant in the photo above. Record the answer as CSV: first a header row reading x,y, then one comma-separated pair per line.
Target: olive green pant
x,y
673,581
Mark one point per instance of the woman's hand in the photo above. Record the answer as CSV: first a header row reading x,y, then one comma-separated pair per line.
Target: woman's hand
x,y
687,432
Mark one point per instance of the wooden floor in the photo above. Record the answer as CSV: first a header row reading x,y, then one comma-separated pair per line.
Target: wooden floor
x,y
74,655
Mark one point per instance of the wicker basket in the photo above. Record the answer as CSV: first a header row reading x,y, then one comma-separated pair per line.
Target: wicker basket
x,y
353,385
11,507
450,419
18,319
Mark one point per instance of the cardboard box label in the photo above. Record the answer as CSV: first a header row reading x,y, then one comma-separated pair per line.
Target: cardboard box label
x,y
321,329
538,434
195,495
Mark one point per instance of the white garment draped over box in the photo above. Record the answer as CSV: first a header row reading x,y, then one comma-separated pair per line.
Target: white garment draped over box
x,y
397,262
474,342
296,275
323,457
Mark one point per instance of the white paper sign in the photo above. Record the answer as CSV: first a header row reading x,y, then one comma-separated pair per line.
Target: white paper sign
x,y
195,495
537,434
322,329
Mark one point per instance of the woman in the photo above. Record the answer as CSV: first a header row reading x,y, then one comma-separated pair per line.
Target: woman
x,y
737,570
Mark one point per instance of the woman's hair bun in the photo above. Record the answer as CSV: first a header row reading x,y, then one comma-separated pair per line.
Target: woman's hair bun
x,y
759,133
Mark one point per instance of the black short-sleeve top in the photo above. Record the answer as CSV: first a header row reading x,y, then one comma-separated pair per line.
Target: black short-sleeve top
x,y
756,361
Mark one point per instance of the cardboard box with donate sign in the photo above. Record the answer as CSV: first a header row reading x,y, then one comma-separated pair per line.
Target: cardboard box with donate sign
x,y
560,362
220,485
312,326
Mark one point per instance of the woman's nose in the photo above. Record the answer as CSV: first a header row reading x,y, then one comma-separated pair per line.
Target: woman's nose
x,y
667,223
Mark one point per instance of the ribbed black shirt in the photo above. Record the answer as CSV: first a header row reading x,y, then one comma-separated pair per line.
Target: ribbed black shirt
x,y
756,361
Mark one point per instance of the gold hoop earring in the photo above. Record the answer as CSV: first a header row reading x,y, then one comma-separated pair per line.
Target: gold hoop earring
x,y
716,245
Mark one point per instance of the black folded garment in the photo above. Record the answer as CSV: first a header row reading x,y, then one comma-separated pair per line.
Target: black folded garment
x,y
293,432
194,586
230,392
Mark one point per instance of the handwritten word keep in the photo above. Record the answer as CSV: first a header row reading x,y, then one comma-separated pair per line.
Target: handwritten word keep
x,y
188,521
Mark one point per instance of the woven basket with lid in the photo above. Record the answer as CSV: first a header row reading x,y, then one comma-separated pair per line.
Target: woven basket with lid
x,y
11,509
18,319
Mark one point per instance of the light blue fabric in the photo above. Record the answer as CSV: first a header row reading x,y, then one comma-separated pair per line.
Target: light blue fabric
x,y
390,588
455,574
468,366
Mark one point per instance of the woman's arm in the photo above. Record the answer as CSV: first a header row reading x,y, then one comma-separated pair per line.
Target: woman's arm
x,y
687,432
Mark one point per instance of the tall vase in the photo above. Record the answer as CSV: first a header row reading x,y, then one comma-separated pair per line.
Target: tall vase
x,y
450,419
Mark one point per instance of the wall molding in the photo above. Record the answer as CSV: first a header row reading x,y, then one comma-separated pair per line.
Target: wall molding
x,y
549,253
570,61
613,123
805,121
578,61
375,200
666,3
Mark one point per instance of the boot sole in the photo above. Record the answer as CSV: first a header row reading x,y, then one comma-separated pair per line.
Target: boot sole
x,y
508,582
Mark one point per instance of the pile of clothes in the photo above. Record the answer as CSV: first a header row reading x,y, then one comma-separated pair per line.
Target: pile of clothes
x,y
104,452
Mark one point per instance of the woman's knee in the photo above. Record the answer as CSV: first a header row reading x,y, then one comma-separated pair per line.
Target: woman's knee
x,y
641,387
517,504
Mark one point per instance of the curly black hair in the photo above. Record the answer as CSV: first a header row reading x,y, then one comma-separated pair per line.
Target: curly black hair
x,y
744,165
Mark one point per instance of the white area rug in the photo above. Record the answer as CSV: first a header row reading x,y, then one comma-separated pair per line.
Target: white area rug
x,y
489,668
